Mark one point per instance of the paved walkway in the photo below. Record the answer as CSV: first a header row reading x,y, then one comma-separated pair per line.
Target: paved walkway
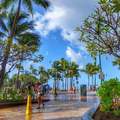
x,y
66,107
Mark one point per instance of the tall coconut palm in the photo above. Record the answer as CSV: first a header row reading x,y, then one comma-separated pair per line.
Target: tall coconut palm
x,y
24,39
63,69
86,70
19,68
44,75
4,5
33,71
90,70
116,62
73,72
55,74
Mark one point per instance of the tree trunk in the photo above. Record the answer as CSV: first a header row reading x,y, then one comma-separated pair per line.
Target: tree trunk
x,y
95,82
55,89
4,62
88,82
18,82
92,83
71,83
67,85
62,84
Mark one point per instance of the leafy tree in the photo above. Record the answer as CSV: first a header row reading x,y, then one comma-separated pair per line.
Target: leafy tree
x,y
24,79
101,29
25,41
109,92
41,72
114,3
5,4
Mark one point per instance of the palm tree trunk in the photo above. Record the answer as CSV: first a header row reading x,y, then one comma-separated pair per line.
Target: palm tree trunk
x,y
18,82
95,82
55,90
4,62
92,82
71,83
62,84
67,84
15,19
88,82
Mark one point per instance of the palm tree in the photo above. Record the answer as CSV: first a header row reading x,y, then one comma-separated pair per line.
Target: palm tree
x,y
90,70
19,68
33,70
44,75
73,72
6,4
63,64
55,73
24,39
86,70
116,62
56,77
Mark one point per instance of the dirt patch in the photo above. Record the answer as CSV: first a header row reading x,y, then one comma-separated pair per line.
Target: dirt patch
x,y
105,116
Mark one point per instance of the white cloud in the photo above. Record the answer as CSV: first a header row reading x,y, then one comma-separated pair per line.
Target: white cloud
x,y
74,56
65,15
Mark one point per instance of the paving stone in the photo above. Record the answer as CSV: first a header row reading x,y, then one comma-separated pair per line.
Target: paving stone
x,y
65,107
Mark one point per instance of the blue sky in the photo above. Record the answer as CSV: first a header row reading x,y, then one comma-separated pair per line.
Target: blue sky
x,y
59,39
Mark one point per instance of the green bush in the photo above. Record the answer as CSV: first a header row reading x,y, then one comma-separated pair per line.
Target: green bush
x,y
10,94
108,91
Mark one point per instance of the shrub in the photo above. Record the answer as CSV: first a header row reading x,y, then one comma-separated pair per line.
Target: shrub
x,y
107,92
11,94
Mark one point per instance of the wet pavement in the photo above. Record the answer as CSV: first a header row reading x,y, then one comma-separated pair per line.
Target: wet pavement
x,y
64,107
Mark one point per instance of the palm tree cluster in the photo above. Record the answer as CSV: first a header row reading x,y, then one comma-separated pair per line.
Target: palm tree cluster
x,y
91,70
62,73
41,74
63,70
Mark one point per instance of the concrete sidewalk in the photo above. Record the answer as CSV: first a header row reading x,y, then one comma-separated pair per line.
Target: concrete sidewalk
x,y
65,107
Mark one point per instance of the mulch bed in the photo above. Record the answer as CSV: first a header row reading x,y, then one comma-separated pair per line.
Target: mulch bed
x,y
104,116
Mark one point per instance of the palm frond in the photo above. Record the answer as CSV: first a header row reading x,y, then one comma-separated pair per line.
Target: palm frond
x,y
2,34
6,3
28,4
3,25
21,28
22,16
43,3
29,39
116,62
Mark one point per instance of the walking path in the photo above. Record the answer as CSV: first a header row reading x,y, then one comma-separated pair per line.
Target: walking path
x,y
65,107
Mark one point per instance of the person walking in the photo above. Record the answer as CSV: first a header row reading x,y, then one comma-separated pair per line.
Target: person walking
x,y
38,90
